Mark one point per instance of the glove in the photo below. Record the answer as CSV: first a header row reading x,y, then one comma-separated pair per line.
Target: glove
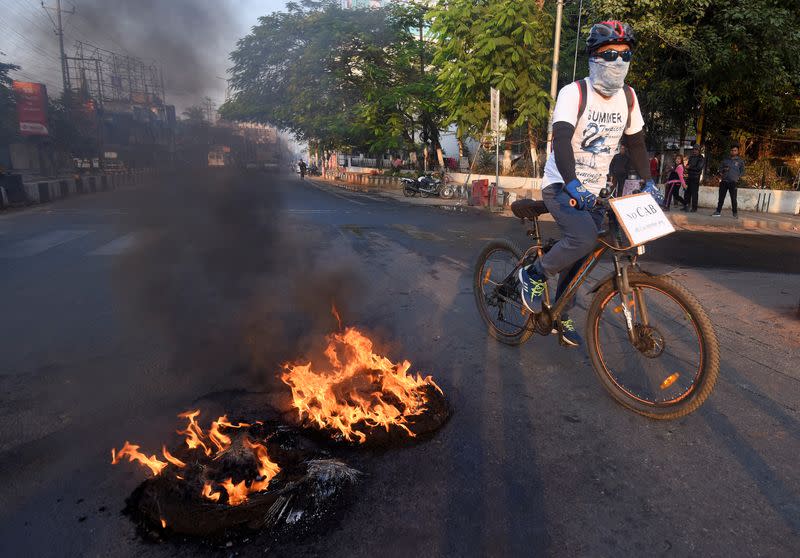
x,y
584,199
651,188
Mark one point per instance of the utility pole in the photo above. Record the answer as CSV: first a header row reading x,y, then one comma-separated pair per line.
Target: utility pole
x,y
577,38
58,24
554,75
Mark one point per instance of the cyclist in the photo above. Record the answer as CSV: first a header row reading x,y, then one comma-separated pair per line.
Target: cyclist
x,y
589,122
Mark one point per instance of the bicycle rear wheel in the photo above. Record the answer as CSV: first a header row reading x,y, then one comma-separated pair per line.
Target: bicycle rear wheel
x,y
497,293
674,367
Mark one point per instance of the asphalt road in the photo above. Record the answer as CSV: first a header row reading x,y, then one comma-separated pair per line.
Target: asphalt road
x,y
122,309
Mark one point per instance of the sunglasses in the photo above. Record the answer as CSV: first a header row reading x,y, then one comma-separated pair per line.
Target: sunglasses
x,y
612,55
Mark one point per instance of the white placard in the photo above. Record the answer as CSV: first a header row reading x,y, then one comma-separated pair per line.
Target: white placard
x,y
641,218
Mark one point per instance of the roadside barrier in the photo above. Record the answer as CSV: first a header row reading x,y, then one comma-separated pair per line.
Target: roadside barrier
x,y
13,192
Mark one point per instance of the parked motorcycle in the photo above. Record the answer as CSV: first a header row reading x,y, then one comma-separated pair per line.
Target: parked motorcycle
x,y
426,186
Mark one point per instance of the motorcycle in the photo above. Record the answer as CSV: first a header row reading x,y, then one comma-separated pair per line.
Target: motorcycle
x,y
426,186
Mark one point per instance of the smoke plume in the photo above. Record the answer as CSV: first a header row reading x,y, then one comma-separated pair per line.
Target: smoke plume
x,y
229,280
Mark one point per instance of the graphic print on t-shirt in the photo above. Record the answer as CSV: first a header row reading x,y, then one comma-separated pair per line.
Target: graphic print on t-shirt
x,y
597,133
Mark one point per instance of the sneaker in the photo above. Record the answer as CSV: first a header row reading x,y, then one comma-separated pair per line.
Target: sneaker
x,y
569,336
716,214
532,287
735,215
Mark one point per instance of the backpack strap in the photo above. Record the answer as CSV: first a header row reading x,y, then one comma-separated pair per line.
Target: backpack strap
x,y
630,99
582,94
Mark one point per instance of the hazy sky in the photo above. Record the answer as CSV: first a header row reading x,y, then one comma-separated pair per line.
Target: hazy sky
x,y
191,38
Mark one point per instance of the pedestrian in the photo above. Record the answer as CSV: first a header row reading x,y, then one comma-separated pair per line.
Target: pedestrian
x,y
694,169
578,164
731,171
675,182
620,165
654,164
302,166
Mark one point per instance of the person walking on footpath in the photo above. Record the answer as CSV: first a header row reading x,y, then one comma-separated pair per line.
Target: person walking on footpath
x,y
654,164
694,169
731,171
675,182
591,118
619,169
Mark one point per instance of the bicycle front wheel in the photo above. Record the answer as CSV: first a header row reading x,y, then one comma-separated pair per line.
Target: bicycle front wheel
x,y
673,366
497,293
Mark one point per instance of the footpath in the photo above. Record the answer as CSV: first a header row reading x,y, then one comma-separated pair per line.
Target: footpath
x,y
749,222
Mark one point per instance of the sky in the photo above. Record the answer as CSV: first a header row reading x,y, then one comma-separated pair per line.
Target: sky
x,y
191,38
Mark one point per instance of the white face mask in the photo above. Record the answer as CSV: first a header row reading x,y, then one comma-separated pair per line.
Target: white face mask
x,y
607,77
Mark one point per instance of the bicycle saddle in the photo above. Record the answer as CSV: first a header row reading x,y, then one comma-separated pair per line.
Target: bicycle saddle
x,y
528,209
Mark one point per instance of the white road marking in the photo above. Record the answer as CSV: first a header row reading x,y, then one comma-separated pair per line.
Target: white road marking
x,y
121,245
41,243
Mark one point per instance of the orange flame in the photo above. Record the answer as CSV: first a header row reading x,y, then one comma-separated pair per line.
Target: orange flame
x,y
197,439
194,434
133,454
266,468
207,493
163,523
335,313
358,386
237,493
171,458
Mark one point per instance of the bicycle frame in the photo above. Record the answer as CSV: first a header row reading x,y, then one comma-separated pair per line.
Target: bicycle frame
x,y
549,314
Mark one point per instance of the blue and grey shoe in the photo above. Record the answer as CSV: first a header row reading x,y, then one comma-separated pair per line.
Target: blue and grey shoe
x,y
532,287
568,335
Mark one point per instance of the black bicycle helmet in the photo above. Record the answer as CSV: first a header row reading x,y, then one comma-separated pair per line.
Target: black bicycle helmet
x,y
610,32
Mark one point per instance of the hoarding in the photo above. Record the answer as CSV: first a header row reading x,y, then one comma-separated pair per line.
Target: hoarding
x,y
31,108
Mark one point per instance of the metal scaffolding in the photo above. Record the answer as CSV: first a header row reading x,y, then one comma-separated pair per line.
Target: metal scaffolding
x,y
111,78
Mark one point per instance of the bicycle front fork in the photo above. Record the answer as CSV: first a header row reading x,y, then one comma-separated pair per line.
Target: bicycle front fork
x,y
631,301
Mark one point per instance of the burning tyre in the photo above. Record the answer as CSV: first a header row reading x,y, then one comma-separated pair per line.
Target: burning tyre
x,y
225,478
360,397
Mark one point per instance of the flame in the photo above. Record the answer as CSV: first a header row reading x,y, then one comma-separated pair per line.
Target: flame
x,y
336,315
207,493
237,493
194,434
133,454
197,439
266,468
172,459
357,386
163,523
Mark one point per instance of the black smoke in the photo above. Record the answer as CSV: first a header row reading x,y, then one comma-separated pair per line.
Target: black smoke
x,y
229,280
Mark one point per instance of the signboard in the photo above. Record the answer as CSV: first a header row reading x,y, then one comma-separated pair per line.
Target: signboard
x,y
495,106
31,108
641,218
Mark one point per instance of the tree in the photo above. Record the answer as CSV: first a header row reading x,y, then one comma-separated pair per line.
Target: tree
x,y
339,78
195,114
727,68
503,44
8,115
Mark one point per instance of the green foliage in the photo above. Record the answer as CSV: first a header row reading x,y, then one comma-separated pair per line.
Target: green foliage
x,y
737,59
340,78
503,44
8,114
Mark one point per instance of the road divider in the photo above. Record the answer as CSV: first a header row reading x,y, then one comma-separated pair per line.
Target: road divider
x,y
14,192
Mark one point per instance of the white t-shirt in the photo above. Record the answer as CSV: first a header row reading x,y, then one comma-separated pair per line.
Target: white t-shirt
x,y
597,135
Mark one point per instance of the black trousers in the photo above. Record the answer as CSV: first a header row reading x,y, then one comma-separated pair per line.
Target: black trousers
x,y
692,190
724,188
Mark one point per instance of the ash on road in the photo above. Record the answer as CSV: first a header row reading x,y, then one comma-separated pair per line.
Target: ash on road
x,y
122,309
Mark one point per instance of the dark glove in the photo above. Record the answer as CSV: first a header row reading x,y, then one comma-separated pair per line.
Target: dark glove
x,y
651,188
583,198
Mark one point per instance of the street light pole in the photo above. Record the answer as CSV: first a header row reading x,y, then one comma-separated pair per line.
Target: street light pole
x,y
554,75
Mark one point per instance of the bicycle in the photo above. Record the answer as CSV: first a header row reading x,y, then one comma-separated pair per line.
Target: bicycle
x,y
650,341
